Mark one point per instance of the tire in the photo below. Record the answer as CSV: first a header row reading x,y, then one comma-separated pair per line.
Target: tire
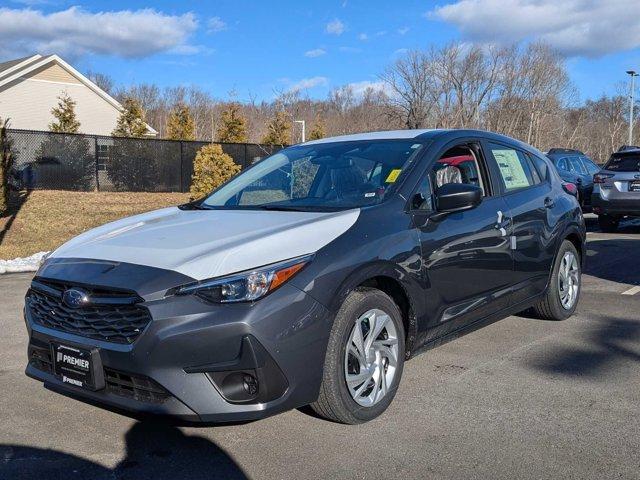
x,y
551,306
335,401
607,223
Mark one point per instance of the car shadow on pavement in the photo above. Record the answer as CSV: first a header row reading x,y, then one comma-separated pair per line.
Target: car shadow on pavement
x,y
603,347
153,451
628,225
614,260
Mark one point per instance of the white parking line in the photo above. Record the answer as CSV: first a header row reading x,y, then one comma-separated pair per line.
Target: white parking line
x,y
632,290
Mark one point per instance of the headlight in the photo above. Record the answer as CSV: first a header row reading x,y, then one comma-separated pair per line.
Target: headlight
x,y
245,286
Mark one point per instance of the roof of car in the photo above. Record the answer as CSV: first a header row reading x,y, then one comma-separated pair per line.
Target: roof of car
x,y
564,151
383,135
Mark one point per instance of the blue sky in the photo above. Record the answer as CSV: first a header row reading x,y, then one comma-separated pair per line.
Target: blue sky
x,y
257,48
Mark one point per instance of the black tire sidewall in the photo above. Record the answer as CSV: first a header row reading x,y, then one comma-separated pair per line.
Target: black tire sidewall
x,y
358,303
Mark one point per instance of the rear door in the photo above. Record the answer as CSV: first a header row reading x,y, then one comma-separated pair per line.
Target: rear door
x,y
528,193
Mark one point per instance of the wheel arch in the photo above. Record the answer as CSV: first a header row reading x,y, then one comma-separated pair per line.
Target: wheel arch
x,y
577,238
394,281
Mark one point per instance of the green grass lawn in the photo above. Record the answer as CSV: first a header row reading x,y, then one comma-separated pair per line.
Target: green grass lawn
x,y
44,219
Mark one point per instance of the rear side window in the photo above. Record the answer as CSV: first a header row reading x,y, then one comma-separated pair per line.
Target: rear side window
x,y
515,168
563,164
626,163
541,166
577,166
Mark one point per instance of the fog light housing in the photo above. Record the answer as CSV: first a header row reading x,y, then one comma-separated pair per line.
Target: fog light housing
x,y
252,377
236,387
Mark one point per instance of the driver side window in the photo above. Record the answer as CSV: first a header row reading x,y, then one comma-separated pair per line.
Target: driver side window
x,y
457,165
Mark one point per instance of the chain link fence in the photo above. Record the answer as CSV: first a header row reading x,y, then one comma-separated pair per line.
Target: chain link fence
x,y
63,161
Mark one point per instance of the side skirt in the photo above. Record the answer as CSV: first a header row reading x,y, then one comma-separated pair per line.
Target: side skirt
x,y
472,327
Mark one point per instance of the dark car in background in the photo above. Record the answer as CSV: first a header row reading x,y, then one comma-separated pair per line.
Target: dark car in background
x,y
616,193
575,167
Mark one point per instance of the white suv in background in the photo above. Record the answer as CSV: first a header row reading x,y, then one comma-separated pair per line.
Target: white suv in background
x,y
616,192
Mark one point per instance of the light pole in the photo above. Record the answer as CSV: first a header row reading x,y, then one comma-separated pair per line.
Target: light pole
x,y
302,122
633,75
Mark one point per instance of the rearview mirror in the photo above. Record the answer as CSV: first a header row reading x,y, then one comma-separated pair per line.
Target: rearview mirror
x,y
456,197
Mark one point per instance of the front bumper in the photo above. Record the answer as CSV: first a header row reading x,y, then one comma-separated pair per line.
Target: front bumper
x,y
178,364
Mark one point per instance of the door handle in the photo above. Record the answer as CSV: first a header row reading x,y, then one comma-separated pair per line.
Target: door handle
x,y
502,223
549,202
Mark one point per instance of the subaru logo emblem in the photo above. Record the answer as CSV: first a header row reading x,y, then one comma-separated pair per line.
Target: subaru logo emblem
x,y
75,298
636,176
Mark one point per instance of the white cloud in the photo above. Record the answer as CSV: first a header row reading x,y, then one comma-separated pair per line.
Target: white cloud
x,y
216,24
363,36
308,83
76,32
403,30
577,28
335,27
187,49
316,52
359,88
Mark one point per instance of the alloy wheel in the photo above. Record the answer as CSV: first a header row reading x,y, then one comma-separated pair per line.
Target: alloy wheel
x,y
371,357
568,280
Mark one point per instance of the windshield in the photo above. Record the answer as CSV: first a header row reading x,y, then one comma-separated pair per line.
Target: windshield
x,y
325,176
624,163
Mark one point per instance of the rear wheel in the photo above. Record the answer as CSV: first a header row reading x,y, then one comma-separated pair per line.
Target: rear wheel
x,y
561,298
607,223
364,360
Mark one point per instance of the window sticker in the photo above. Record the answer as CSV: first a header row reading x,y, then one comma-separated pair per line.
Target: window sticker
x,y
511,169
393,175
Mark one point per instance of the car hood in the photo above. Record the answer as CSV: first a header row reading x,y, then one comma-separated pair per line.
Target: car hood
x,y
209,243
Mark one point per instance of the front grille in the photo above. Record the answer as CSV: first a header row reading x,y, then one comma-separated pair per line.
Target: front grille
x,y
112,316
137,387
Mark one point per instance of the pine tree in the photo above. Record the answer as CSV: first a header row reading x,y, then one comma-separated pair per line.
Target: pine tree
x,y
278,130
233,127
65,115
131,121
180,125
318,131
211,168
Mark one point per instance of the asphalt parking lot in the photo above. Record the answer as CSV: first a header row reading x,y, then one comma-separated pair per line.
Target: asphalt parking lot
x,y
522,398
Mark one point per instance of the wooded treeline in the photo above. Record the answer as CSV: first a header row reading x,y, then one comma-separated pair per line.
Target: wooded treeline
x,y
521,91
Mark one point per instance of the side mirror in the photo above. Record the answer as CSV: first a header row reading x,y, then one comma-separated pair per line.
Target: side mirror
x,y
456,197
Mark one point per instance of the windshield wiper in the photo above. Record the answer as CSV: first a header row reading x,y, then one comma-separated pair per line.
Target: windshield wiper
x,y
193,206
284,208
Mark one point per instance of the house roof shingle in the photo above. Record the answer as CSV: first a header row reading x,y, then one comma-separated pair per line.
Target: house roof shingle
x,y
6,65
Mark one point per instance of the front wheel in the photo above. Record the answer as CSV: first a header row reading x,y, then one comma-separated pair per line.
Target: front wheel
x,y
561,298
364,360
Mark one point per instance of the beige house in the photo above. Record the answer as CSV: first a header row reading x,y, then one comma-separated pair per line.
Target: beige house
x,y
30,87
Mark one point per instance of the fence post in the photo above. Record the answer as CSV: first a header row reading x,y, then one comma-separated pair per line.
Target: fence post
x,y
182,189
95,143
